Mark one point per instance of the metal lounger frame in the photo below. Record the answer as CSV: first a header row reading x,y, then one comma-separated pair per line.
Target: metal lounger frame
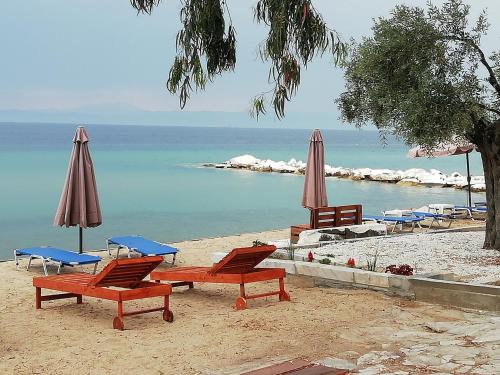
x,y
130,250
45,261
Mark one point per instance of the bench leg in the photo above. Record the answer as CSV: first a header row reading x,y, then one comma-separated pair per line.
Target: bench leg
x,y
118,320
168,315
241,302
284,296
38,298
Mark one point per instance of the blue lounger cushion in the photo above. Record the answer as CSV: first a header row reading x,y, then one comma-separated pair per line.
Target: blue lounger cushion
x,y
472,208
142,245
430,215
397,219
65,257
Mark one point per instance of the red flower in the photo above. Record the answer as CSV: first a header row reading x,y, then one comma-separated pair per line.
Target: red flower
x,y
310,256
351,263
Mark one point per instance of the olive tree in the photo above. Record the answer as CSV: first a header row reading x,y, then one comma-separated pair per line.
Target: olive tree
x,y
424,77
206,46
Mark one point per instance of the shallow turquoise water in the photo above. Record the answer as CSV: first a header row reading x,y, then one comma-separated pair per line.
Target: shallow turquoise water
x,y
151,183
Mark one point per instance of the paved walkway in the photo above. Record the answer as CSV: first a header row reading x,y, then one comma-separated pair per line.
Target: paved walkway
x,y
444,348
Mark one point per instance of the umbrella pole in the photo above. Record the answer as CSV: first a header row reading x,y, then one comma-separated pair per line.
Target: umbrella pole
x,y
80,239
468,180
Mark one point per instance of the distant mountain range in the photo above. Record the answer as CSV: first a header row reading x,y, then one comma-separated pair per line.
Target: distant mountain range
x,y
131,116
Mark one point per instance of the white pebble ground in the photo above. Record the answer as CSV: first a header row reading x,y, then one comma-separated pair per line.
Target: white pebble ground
x,y
460,253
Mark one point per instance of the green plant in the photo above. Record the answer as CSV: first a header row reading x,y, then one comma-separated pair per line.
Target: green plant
x,y
206,46
291,251
325,261
258,243
403,269
372,262
329,255
424,77
325,237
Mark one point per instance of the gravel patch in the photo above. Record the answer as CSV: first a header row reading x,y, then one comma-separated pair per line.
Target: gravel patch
x,y
460,253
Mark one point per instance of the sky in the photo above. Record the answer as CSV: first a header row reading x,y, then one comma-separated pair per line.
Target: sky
x,y
92,56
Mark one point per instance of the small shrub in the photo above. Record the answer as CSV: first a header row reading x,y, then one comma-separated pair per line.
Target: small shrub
x,y
371,263
325,261
290,251
330,255
257,243
351,263
324,237
403,269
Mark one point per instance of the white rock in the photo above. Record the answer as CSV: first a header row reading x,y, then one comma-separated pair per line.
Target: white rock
x,y
413,173
244,161
385,175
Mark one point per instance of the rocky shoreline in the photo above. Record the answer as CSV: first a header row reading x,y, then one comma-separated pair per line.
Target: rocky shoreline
x,y
409,177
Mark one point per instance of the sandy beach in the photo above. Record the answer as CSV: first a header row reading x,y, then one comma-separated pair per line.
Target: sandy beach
x,y
207,335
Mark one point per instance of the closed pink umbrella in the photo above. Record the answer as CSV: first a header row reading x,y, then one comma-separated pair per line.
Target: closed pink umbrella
x,y
448,150
314,195
79,203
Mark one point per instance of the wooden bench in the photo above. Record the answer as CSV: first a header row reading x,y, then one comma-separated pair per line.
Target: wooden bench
x,y
329,217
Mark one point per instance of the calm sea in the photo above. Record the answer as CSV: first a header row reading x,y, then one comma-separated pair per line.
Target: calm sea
x,y
151,181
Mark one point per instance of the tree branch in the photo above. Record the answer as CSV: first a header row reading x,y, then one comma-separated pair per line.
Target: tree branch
x,y
485,107
492,79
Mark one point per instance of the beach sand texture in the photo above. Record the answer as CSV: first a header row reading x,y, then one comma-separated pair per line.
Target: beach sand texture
x,y
207,335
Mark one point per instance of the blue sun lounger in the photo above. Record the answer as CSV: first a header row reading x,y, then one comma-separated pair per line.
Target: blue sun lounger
x,y
436,218
140,245
396,220
59,256
471,210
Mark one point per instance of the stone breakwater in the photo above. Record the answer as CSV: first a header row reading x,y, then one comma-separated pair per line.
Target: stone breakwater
x,y
409,177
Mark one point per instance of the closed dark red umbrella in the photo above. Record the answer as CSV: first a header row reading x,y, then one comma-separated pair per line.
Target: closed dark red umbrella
x,y
314,195
79,203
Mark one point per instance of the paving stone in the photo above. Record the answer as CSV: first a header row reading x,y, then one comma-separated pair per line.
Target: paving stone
x,y
338,363
446,367
422,360
470,330
440,327
467,362
495,320
487,370
452,342
408,335
373,370
376,357
491,336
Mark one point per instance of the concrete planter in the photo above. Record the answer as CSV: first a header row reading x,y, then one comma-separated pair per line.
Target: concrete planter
x,y
434,288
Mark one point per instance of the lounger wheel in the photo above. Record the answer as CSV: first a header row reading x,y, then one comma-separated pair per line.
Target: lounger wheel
x,y
284,296
168,316
240,304
118,323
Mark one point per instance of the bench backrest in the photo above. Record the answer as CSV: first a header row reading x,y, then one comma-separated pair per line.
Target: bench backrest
x,y
126,272
242,260
327,217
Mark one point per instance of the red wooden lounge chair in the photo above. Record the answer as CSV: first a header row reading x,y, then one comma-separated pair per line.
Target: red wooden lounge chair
x,y
126,274
238,267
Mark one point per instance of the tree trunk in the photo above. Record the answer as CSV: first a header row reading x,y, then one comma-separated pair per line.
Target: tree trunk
x,y
488,142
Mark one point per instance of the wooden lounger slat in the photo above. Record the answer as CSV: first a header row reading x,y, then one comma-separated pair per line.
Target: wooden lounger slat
x,y
326,217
